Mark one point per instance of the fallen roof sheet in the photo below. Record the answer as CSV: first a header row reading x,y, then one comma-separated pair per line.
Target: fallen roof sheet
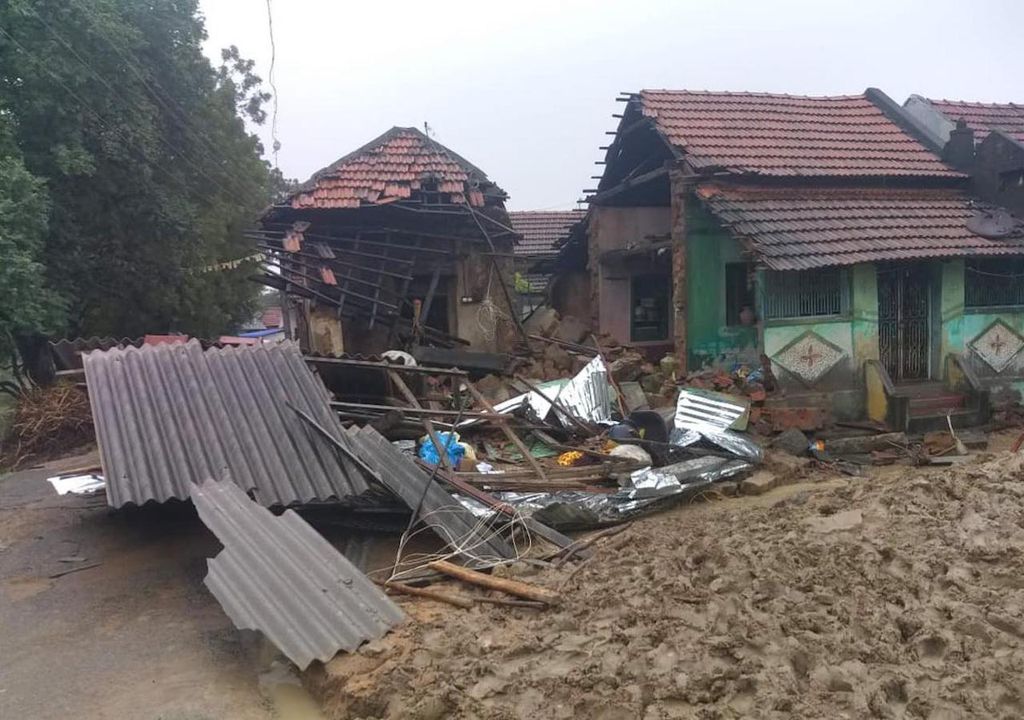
x,y
802,228
438,509
787,135
168,415
279,576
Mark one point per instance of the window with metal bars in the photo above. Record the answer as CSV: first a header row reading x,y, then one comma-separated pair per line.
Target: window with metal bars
x,y
993,282
805,293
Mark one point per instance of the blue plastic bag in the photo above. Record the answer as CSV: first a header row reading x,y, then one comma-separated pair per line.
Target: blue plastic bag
x,y
451,444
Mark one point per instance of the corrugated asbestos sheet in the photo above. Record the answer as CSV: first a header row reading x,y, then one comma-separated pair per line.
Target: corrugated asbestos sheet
x,y
449,519
279,576
170,415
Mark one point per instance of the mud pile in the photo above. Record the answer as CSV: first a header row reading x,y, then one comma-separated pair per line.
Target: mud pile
x,y
900,595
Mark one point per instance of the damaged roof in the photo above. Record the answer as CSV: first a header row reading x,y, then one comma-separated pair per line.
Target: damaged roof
x,y
279,576
397,166
543,230
984,117
170,415
787,135
796,228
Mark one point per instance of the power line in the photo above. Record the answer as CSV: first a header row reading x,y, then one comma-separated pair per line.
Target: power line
x,y
195,166
169,105
96,115
275,144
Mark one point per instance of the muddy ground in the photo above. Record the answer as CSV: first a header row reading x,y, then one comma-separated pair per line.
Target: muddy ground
x,y
137,636
896,595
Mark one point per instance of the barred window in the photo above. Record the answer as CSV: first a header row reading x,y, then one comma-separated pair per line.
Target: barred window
x,y
805,293
993,282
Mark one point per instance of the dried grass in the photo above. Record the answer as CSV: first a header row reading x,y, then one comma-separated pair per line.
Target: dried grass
x,y
48,421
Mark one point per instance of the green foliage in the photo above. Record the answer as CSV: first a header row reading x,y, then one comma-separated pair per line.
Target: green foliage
x,y
149,168
522,285
26,304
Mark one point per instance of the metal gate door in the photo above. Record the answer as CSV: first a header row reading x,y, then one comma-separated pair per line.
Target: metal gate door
x,y
903,321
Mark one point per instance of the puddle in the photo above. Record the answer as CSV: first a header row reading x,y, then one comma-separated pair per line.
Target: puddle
x,y
283,689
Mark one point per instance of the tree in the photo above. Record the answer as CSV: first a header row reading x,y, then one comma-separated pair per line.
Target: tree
x,y
27,306
151,172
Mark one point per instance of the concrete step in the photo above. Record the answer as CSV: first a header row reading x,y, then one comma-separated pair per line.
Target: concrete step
x,y
961,418
936,404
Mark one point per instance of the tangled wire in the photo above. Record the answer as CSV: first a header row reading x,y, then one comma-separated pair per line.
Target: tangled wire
x,y
47,421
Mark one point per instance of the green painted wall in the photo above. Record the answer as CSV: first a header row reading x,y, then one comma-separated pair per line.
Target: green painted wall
x,y
710,341
864,313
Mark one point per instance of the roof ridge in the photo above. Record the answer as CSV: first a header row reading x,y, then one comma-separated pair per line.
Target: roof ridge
x,y
751,93
977,103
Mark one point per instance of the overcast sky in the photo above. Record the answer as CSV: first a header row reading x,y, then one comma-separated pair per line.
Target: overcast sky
x,y
525,90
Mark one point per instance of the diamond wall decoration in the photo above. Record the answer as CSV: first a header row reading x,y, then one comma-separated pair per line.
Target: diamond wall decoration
x,y
997,345
809,356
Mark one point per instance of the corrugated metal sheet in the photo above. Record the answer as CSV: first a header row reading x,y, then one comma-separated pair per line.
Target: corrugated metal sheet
x,y
801,228
449,519
168,415
279,576
787,135
698,411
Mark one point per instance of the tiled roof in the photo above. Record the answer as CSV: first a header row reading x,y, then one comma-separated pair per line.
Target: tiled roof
x,y
984,117
394,167
272,317
786,135
542,229
800,228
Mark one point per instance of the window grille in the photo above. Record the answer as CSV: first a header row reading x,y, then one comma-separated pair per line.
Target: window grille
x,y
805,293
994,282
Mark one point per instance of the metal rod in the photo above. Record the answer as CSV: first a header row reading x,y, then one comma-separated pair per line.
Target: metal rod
x,y
385,366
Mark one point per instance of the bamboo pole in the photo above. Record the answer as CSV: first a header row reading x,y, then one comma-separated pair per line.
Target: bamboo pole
x,y
511,587
455,600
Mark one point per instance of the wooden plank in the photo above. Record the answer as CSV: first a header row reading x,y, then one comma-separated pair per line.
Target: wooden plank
x,y
505,585
503,423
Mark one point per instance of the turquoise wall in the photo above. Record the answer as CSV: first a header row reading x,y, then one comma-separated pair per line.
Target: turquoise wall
x,y
961,325
710,341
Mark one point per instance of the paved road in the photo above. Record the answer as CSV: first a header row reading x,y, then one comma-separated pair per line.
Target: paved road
x,y
136,638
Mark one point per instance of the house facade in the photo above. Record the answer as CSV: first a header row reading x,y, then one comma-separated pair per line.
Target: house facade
x,y
399,244
825,236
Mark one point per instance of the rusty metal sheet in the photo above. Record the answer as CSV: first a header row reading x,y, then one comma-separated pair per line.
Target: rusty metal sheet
x,y
278,576
168,415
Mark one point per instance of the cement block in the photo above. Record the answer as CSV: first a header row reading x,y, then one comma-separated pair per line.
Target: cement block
x,y
759,483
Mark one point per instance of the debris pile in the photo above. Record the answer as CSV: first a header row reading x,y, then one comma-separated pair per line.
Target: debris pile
x,y
48,420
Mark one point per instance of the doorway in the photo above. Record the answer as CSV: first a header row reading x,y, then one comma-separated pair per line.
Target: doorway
x,y
904,320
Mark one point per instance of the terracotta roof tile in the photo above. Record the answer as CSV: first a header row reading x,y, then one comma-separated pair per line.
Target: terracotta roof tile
x,y
785,135
800,228
985,117
392,167
541,229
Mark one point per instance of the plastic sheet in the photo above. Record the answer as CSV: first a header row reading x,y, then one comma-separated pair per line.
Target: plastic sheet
x,y
77,484
648,490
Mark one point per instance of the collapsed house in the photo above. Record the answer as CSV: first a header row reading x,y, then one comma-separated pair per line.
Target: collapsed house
x,y
541,232
399,243
823,237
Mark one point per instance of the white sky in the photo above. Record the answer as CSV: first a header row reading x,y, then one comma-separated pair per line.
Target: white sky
x,y
525,89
